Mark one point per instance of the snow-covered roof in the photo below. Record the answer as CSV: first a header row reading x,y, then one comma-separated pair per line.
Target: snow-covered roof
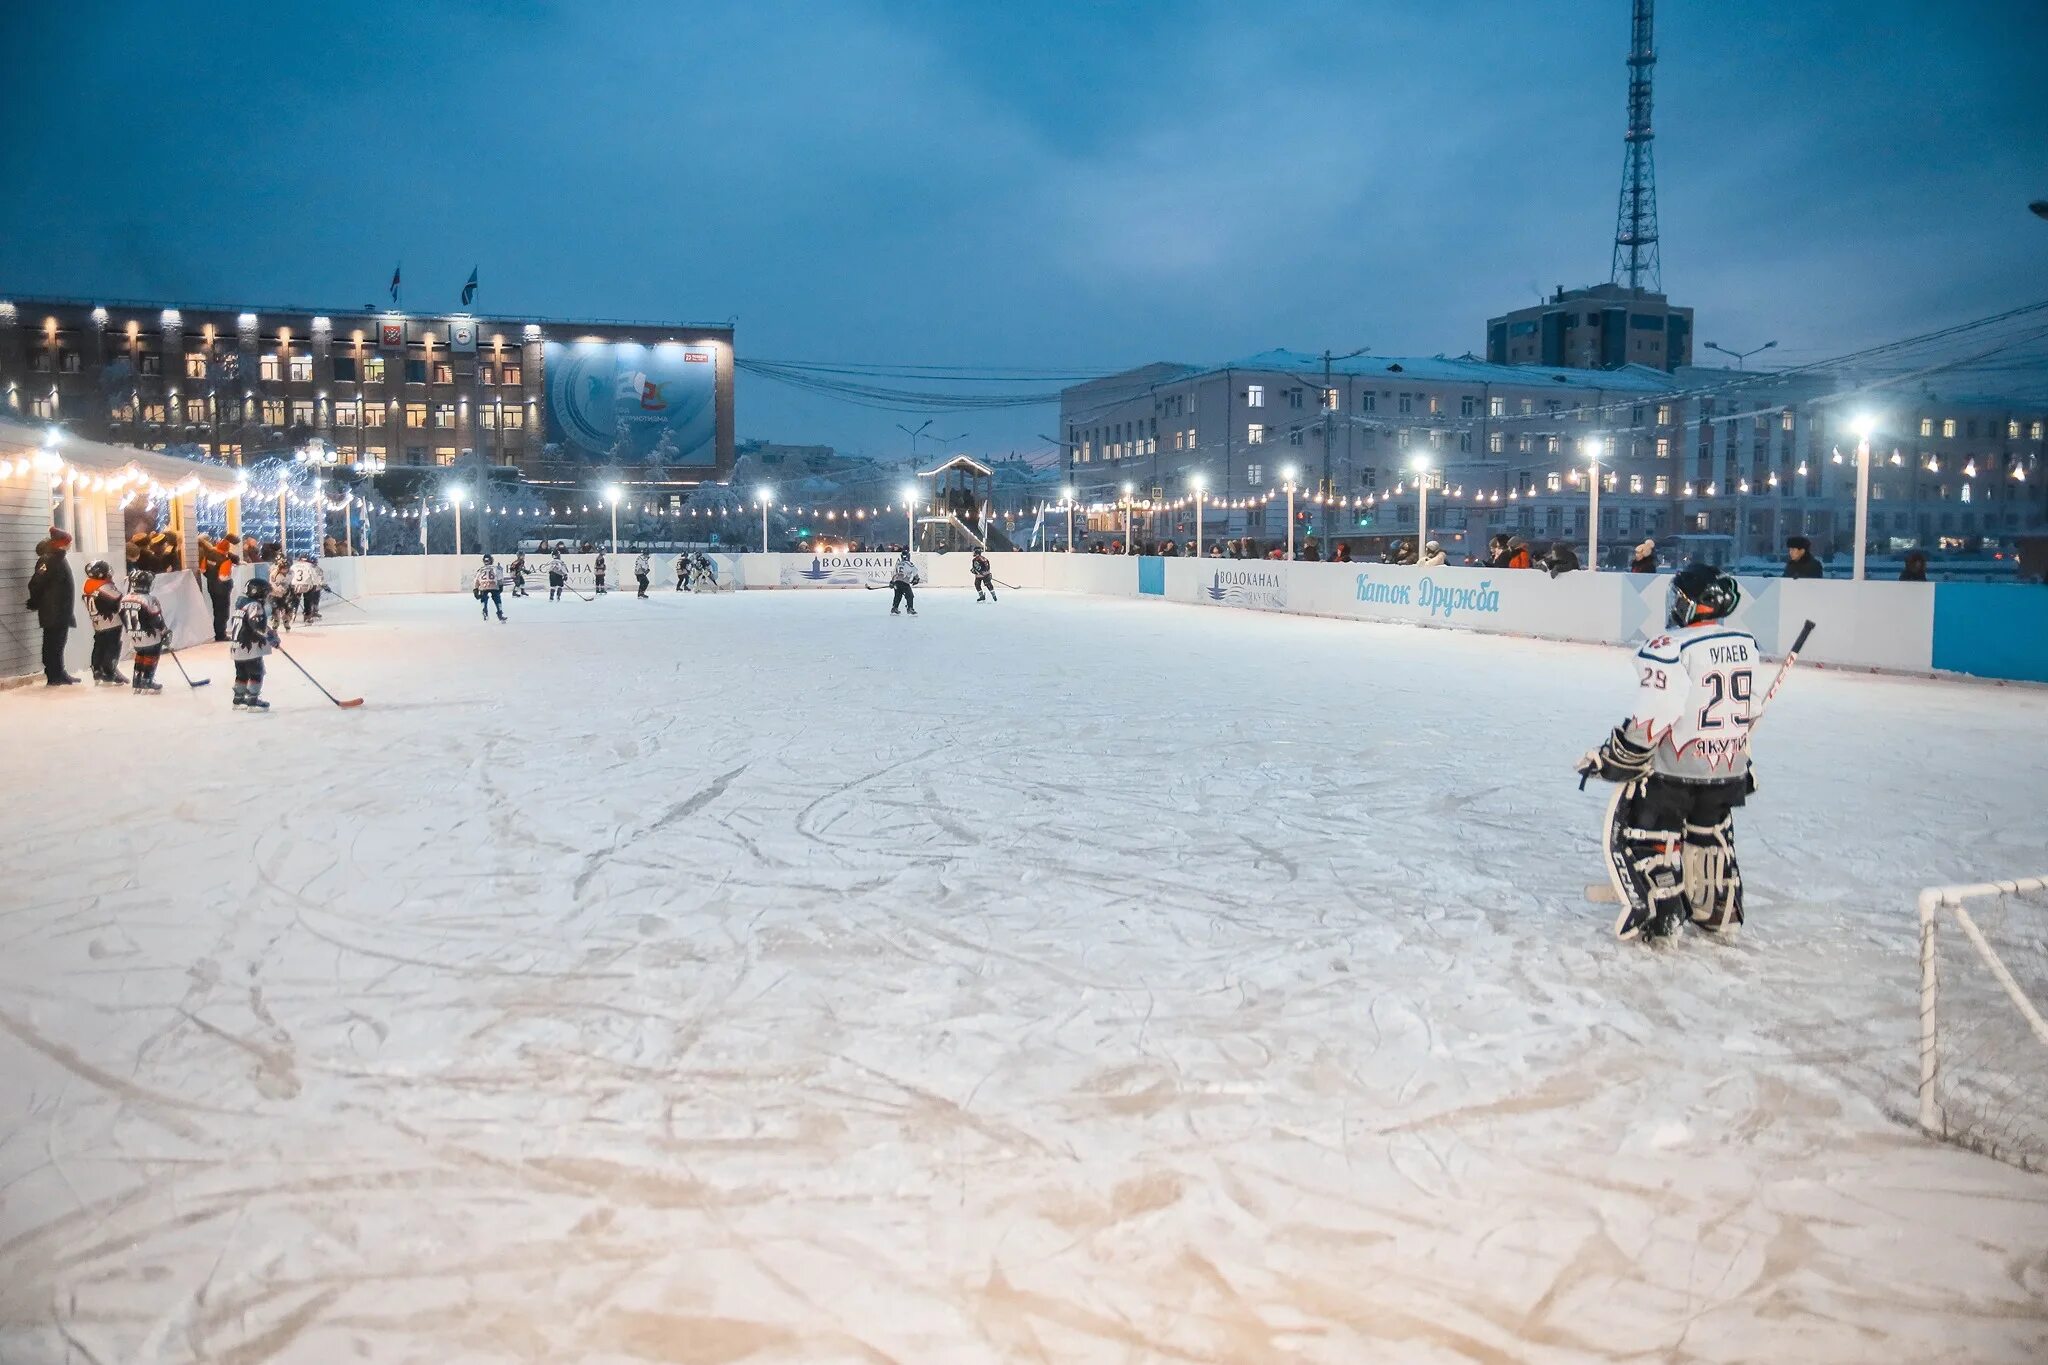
x,y
957,462
98,458
1455,370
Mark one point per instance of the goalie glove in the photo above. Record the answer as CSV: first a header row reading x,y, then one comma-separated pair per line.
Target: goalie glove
x,y
1620,759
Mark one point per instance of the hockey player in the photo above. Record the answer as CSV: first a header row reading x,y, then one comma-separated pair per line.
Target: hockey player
x,y
682,571
704,572
286,601
1683,757
519,574
250,637
558,574
307,580
103,610
642,567
142,618
598,569
490,588
902,581
984,577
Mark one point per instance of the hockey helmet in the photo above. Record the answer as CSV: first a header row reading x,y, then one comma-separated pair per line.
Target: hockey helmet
x,y
98,569
259,586
1702,592
489,560
140,579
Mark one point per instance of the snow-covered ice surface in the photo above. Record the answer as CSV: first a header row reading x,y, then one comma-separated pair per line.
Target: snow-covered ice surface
x,y
760,978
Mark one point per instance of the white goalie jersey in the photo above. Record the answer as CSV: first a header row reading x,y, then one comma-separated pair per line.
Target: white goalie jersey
x,y
1696,688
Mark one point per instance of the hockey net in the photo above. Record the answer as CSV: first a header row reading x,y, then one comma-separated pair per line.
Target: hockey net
x,y
1983,1038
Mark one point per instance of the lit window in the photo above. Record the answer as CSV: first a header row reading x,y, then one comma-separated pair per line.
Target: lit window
x,y
1255,396
44,405
2012,430
1553,483
195,410
273,412
508,374
1926,426
269,367
1948,426
1523,445
1663,447
373,370
153,413
1253,473
1550,445
1785,420
1254,435
345,413
302,412
195,366
444,416
444,454
444,373
1495,443
373,414
1663,485
1330,402
416,415
515,419
1496,407
1663,414
302,369
1635,483
1435,405
2034,433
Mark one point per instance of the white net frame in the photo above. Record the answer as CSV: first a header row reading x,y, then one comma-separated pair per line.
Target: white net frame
x,y
1983,1037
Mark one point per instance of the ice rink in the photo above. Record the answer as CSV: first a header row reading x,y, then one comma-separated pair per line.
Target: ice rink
x,y
761,978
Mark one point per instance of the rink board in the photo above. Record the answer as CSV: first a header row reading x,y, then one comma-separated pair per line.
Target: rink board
x,y
1986,630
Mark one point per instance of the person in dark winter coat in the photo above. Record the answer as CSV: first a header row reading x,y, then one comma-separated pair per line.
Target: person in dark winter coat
x,y
51,595
1562,559
1497,552
1915,570
1799,560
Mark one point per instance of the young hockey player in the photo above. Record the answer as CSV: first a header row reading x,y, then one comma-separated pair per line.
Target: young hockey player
x,y
1683,757
307,580
490,588
984,577
519,574
682,571
287,601
703,573
598,569
902,581
250,637
103,610
558,574
142,618
642,566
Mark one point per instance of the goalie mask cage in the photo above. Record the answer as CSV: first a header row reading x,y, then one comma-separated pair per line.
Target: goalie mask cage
x,y
1983,1040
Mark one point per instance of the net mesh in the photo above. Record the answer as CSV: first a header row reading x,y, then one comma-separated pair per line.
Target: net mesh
x,y
1984,1044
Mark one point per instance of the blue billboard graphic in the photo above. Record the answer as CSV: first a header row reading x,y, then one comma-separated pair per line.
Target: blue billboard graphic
x,y
622,402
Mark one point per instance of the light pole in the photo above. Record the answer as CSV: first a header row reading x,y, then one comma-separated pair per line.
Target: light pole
x,y
611,495
914,433
910,515
1741,357
1865,425
1127,518
1592,448
1289,475
764,495
1420,464
1068,495
423,521
1196,482
455,500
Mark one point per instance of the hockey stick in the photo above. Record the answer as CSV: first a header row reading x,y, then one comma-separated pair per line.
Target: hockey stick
x,y
195,686
1599,892
350,600
344,705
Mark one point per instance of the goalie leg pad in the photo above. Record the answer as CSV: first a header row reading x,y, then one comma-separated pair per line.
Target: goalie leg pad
x,y
1713,879
1644,839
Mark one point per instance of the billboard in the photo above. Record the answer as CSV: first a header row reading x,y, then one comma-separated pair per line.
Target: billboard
x,y
626,403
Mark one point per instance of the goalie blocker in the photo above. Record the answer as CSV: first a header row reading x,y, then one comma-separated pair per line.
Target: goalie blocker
x,y
1680,763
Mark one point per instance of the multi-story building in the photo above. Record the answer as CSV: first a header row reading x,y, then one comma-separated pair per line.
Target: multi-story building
x,y
1710,462
1604,327
556,399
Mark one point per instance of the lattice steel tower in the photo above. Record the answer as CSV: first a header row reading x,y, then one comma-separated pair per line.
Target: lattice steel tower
x,y
1636,262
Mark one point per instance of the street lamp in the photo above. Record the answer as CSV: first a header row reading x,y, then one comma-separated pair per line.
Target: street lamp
x,y
611,495
1741,357
1420,464
1197,482
764,495
1865,424
910,514
1592,448
1289,475
1127,518
455,501
1067,496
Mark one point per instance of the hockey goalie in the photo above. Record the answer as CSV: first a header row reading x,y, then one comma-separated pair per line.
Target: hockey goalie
x,y
1681,766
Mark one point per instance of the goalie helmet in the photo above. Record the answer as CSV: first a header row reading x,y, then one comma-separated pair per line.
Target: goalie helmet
x,y
1702,592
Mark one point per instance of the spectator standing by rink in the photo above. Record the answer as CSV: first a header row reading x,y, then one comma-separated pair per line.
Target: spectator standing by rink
x,y
1646,557
490,588
598,568
51,593
558,574
103,612
642,567
1799,560
1562,559
1915,570
251,639
217,560
142,616
1432,556
901,582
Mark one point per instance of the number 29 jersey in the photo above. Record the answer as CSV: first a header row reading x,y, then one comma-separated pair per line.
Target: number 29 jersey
x,y
1696,687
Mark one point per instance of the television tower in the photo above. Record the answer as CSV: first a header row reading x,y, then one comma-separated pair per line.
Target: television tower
x,y
1635,230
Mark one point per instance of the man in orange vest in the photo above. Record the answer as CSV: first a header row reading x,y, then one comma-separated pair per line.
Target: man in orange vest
x,y
217,560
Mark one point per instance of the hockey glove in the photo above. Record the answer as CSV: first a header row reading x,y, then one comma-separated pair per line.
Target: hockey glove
x,y
1620,759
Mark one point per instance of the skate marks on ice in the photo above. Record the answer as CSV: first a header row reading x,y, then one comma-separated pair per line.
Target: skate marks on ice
x,y
788,1026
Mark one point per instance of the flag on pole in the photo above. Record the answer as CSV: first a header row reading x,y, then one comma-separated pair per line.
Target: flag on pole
x,y
469,290
394,282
